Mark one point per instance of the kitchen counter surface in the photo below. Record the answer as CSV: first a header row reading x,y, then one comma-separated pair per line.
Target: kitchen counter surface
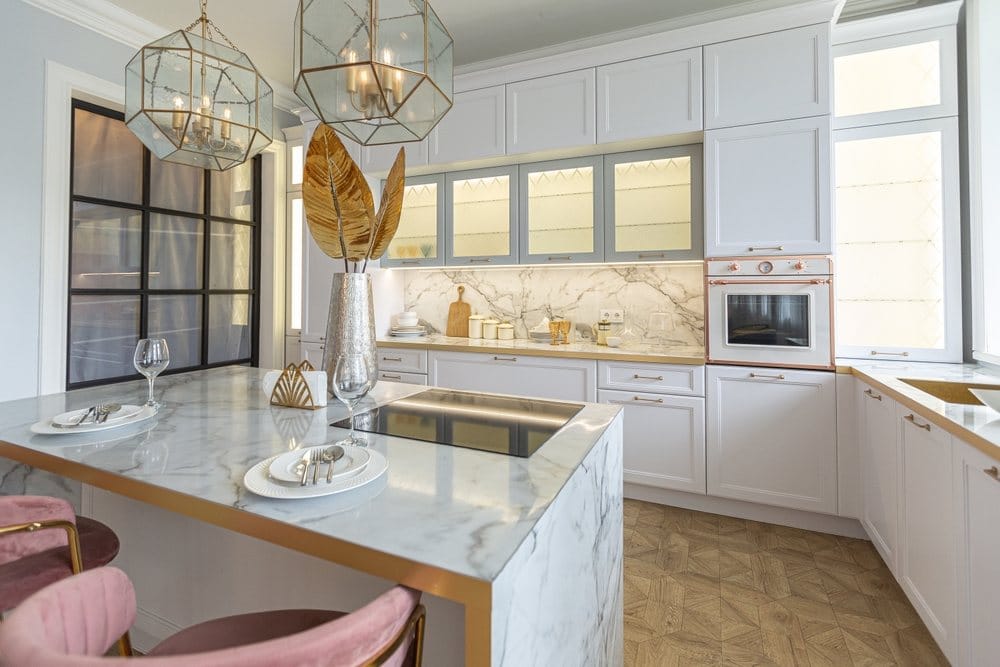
x,y
977,425
655,353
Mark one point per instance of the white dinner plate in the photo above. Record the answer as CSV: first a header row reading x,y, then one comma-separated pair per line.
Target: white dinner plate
x,y
69,419
260,482
47,427
286,466
408,334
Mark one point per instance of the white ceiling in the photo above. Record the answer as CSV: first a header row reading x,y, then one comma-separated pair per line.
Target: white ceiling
x,y
482,29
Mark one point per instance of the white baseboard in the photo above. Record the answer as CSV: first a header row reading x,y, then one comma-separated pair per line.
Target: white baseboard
x,y
822,523
150,629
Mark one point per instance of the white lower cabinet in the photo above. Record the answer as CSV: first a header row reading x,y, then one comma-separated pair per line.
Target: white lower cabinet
x,y
977,515
926,568
772,437
313,353
557,379
880,473
664,439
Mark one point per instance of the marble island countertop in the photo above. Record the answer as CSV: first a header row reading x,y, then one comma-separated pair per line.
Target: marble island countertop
x,y
977,425
450,509
645,352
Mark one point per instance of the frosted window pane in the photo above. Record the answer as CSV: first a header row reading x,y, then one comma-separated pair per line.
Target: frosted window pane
x,y
890,242
232,192
175,252
295,286
653,205
228,327
416,235
481,210
297,165
230,256
178,319
561,211
107,158
176,186
103,334
107,247
902,77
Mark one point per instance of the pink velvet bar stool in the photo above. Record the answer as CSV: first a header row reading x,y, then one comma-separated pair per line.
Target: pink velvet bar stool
x,y
73,623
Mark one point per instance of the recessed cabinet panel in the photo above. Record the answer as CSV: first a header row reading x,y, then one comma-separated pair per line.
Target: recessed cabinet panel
x,y
474,128
653,204
518,375
649,97
775,76
768,189
562,211
419,240
880,473
551,112
481,226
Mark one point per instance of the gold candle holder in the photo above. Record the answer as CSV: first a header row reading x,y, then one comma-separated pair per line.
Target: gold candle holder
x,y
564,327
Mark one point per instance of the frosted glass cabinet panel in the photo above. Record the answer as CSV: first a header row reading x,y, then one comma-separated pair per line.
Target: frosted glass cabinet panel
x,y
481,221
419,241
561,211
653,204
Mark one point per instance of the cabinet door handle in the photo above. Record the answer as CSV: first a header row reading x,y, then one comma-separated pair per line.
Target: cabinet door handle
x,y
399,359
658,378
387,376
761,376
504,358
652,255
872,394
647,400
913,420
480,259
410,261
765,247
565,258
876,353
993,472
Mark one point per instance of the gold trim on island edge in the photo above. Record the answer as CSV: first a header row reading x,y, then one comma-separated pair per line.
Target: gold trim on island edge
x,y
475,594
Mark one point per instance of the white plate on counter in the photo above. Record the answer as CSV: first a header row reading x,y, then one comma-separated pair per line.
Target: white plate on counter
x,y
69,419
407,334
50,427
286,466
259,481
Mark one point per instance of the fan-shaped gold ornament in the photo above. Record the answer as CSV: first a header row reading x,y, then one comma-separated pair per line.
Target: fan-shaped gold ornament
x,y
292,389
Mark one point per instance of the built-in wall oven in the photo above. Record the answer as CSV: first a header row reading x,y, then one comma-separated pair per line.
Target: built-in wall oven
x,y
770,311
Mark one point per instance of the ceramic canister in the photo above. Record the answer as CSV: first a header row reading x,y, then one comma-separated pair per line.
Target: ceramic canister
x,y
490,329
476,326
505,331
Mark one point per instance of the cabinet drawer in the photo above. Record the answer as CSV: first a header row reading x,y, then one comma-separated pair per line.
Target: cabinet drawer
x,y
659,378
402,359
410,378
518,375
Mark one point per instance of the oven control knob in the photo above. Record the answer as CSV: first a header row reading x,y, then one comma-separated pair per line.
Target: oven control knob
x,y
734,267
800,265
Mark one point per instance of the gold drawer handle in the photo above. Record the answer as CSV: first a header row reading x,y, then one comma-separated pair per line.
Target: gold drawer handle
x,y
993,472
872,394
647,400
658,378
652,255
765,247
913,420
556,258
387,376
400,359
505,358
876,353
767,377
480,259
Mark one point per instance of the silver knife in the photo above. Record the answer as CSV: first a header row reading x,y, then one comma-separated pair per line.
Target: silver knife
x,y
86,414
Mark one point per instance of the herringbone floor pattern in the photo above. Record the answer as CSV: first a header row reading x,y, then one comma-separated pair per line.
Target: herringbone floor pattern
x,y
703,589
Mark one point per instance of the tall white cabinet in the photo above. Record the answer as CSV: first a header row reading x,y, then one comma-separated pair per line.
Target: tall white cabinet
x,y
880,472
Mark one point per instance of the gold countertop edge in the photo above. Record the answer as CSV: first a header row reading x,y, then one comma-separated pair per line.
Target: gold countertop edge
x,y
933,416
475,594
551,351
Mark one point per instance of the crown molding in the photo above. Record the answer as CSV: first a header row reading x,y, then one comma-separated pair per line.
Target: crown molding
x,y
109,20
941,15
855,8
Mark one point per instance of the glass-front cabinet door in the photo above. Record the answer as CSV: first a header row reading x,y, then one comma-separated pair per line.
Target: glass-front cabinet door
x,y
419,240
481,220
653,209
562,211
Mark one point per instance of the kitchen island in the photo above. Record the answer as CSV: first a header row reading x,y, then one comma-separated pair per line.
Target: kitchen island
x,y
531,547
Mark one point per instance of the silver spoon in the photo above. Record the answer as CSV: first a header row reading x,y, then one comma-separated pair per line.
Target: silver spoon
x,y
330,456
109,409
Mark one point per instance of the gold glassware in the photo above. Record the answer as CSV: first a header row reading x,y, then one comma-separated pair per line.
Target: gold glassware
x,y
554,329
564,326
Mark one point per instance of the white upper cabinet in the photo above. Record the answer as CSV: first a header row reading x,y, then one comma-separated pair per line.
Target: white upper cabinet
x,y
378,159
551,112
775,76
767,189
649,97
474,128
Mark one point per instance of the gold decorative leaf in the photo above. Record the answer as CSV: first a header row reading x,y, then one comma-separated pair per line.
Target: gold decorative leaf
x,y
390,208
338,203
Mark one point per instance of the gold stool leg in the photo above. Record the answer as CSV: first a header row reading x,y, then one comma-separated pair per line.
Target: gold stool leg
x,y
125,645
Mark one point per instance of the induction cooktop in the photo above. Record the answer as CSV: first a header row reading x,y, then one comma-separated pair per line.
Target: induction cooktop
x,y
501,424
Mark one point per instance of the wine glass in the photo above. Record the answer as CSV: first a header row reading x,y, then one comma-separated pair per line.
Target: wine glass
x,y
353,377
151,357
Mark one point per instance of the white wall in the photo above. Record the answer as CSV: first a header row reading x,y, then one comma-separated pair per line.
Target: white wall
x,y
29,37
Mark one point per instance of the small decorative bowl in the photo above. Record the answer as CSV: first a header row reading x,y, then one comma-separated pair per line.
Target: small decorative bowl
x,y
614,341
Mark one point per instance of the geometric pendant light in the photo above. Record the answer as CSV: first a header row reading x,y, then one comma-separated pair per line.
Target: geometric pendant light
x,y
193,100
377,71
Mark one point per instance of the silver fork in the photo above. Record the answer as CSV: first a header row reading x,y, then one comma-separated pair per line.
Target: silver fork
x,y
315,457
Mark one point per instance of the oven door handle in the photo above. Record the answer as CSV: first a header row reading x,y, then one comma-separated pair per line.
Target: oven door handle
x,y
814,281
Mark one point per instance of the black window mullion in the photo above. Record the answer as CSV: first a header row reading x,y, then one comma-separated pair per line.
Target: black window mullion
x,y
255,266
144,264
206,265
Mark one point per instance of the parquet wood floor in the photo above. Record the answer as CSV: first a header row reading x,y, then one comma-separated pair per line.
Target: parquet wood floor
x,y
703,589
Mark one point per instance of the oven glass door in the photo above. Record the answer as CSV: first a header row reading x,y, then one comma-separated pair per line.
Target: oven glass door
x,y
770,320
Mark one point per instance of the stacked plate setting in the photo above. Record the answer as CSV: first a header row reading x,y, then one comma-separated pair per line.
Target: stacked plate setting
x,y
80,421
415,331
278,476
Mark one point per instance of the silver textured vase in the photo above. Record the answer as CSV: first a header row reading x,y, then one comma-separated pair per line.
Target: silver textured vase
x,y
350,326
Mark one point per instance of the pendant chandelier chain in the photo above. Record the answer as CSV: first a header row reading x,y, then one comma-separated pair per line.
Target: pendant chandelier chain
x,y
208,26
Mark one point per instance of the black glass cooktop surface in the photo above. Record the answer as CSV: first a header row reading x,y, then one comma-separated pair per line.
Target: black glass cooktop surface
x,y
501,424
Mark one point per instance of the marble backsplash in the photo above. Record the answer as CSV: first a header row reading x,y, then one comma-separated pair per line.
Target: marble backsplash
x,y
523,296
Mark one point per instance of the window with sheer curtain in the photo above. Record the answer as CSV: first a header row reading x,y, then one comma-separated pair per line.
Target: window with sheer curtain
x,y
156,250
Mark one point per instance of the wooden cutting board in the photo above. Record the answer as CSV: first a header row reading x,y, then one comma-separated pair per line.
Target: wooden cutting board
x,y
458,316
